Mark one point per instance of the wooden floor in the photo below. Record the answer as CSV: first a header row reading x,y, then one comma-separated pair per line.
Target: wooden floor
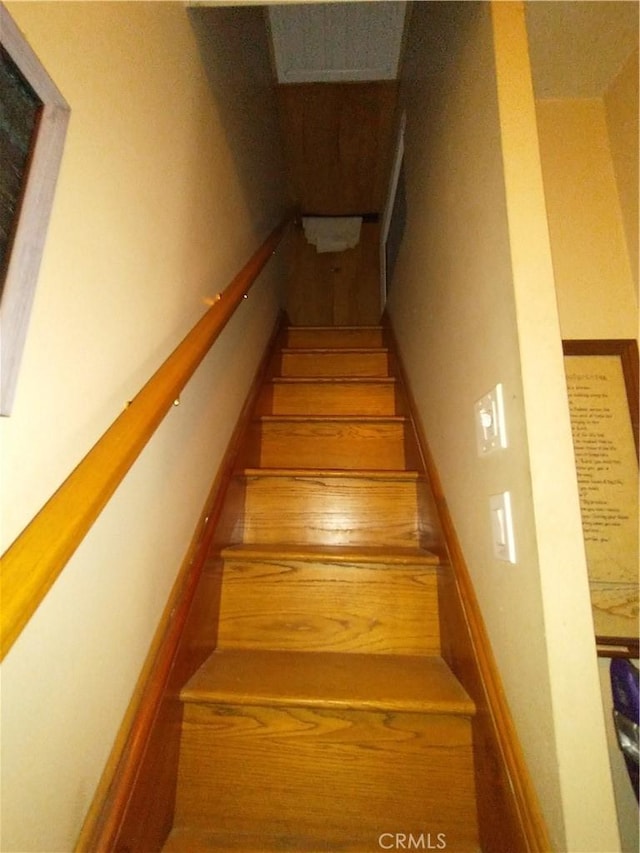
x,y
326,717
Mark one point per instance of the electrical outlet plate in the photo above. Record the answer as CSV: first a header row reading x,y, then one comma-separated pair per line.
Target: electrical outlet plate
x,y
491,432
502,527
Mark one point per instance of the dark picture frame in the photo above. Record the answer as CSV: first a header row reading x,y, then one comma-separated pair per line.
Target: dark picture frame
x,y
33,207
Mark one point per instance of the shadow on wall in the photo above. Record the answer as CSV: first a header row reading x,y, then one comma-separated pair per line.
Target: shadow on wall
x,y
245,97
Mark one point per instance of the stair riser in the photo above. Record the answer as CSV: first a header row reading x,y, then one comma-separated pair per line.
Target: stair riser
x,y
329,363
345,607
328,337
329,399
332,444
337,775
331,511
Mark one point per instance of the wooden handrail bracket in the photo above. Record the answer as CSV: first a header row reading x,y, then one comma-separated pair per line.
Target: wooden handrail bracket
x,y
32,563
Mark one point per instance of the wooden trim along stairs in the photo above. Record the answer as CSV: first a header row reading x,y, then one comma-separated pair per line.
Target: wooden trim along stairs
x,y
335,691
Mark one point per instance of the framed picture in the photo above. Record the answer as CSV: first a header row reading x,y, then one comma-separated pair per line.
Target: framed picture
x,y
33,124
602,385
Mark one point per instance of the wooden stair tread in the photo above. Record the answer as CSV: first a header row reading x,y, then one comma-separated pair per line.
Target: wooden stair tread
x,y
339,395
370,328
332,361
333,380
332,554
334,336
341,419
329,680
193,841
189,840
409,475
333,350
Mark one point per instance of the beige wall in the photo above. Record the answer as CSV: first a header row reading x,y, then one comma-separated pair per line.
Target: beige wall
x,y
162,196
585,781
589,155
473,304
596,297
621,105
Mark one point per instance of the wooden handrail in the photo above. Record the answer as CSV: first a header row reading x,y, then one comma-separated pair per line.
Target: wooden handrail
x,y
30,566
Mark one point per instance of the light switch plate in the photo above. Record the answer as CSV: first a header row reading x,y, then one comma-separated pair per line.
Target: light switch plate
x,y
502,527
491,432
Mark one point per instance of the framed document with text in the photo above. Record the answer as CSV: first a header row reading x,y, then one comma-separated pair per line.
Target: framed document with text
x,y
602,385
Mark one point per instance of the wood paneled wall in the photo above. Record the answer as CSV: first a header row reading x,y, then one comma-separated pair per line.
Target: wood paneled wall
x,y
335,288
338,139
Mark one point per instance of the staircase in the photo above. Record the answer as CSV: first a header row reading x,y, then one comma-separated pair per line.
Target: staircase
x,y
326,719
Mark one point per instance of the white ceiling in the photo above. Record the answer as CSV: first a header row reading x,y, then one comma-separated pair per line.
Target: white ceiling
x,y
337,41
577,47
